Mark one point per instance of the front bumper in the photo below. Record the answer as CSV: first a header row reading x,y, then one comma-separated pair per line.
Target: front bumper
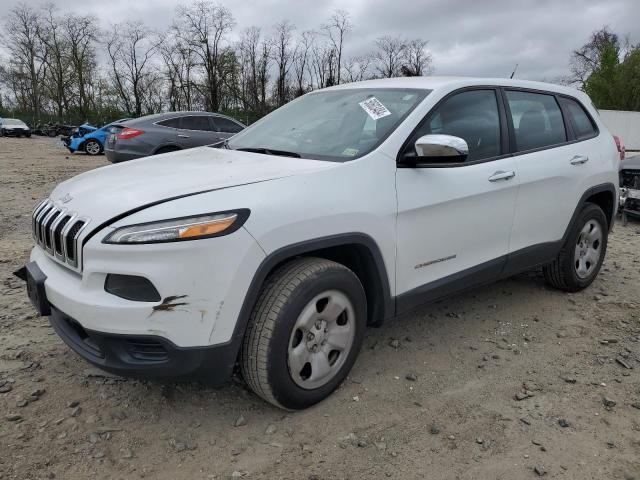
x,y
15,131
145,356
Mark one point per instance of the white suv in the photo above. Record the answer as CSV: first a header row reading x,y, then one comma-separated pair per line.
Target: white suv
x,y
342,209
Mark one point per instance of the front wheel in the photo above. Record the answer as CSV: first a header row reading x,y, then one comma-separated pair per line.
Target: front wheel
x,y
92,147
305,332
581,257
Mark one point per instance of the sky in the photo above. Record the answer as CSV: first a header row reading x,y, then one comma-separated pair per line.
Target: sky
x,y
479,38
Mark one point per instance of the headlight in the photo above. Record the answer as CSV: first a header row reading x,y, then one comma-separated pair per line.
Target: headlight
x,y
179,229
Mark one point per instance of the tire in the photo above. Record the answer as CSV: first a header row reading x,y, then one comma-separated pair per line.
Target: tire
x,y
166,150
296,313
28,134
92,147
581,257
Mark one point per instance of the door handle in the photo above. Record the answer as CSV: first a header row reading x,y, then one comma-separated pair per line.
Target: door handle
x,y
500,175
579,160
183,136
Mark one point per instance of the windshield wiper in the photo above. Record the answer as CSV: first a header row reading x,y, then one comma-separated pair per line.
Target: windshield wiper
x,y
269,151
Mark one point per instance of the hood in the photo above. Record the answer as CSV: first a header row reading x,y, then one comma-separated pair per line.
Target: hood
x,y
107,192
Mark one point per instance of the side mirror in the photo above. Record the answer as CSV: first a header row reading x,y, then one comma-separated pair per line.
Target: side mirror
x,y
441,149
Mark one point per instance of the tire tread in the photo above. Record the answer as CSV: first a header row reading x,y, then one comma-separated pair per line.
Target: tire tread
x,y
275,294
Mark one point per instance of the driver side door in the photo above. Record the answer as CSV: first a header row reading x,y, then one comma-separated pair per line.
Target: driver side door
x,y
454,219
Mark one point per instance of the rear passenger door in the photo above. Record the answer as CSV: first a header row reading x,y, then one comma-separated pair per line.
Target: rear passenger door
x,y
553,165
195,131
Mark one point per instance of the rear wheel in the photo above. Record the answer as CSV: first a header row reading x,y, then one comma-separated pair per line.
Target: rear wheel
x,y
581,257
92,147
305,332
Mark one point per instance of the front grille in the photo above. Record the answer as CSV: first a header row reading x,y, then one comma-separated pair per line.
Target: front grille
x,y
57,231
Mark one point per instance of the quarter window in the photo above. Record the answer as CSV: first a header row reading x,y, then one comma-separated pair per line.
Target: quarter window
x,y
196,123
171,123
537,120
582,124
471,115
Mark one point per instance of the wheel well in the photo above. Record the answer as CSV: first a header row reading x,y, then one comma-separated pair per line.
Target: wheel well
x,y
359,259
606,202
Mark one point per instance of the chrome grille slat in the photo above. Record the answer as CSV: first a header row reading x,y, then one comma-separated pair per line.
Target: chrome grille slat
x,y
47,218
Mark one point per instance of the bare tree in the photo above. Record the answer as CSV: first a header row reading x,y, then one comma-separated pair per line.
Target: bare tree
x,y
204,27
417,59
357,68
301,62
338,26
390,55
81,34
131,48
57,60
283,55
28,53
179,65
323,63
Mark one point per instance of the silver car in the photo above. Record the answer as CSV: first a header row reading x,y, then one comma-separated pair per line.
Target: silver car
x,y
13,126
167,132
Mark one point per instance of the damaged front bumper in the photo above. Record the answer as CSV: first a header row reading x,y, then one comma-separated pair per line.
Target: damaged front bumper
x,y
145,356
188,331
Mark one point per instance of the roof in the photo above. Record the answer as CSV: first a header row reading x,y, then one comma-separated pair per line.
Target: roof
x,y
437,82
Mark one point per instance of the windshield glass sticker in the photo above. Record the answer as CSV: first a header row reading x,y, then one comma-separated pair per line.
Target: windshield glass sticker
x,y
374,108
350,152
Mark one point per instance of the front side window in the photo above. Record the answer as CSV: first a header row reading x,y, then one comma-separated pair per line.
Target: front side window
x,y
471,115
537,120
337,125
582,124
195,122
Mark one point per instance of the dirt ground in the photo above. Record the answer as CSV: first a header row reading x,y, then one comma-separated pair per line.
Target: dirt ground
x,y
510,381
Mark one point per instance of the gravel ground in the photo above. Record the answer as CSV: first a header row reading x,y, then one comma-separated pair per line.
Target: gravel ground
x,y
509,381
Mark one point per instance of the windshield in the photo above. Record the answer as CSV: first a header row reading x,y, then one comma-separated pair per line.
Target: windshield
x,y
337,125
12,121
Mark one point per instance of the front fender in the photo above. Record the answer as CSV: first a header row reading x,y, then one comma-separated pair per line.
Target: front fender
x,y
76,144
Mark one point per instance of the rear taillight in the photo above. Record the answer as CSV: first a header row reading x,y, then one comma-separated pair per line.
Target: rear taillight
x,y
128,133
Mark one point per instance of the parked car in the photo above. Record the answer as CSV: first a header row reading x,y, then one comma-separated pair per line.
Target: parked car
x,y
13,127
342,209
167,132
90,139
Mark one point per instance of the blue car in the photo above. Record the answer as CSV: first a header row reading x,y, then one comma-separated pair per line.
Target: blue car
x,y
89,139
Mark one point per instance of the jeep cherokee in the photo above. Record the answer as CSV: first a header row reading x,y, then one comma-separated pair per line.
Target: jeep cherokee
x,y
344,208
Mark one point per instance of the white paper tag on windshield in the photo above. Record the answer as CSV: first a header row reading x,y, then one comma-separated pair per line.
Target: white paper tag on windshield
x,y
374,108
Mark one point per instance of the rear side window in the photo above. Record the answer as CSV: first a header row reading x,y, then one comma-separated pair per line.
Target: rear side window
x,y
225,125
580,120
472,116
171,123
196,123
537,120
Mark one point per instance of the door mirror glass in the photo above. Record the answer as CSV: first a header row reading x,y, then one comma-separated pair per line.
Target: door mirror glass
x,y
441,148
